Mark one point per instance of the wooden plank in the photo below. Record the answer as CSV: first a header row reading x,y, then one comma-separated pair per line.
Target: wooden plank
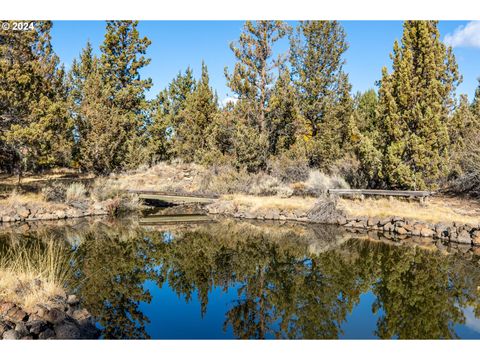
x,y
404,193
155,192
174,199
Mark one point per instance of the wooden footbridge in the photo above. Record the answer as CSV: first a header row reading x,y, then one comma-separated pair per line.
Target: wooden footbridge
x,y
420,195
175,199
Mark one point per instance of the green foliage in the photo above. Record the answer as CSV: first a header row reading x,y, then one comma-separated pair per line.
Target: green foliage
x,y
323,88
190,138
35,130
414,105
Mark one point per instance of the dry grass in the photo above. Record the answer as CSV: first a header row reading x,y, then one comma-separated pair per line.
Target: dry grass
x,y
272,202
438,209
31,275
15,199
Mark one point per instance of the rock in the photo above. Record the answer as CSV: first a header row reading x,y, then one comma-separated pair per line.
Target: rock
x,y
476,237
54,316
60,214
372,222
23,212
3,328
27,337
72,300
16,315
81,315
67,330
401,231
5,307
362,224
11,335
388,227
47,334
21,329
426,232
36,326
464,237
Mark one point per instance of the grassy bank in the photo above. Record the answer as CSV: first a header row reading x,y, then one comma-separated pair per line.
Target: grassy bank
x,y
34,275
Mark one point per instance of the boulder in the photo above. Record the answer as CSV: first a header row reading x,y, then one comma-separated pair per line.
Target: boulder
x,y
426,232
47,334
476,237
23,212
464,237
11,335
67,330
21,329
401,231
36,326
72,300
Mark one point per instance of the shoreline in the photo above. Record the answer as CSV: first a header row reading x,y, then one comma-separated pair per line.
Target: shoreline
x,y
322,212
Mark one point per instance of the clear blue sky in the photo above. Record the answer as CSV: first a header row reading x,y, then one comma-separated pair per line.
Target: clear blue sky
x,y
178,44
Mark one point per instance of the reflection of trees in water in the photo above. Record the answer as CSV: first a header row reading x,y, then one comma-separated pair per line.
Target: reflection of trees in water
x,y
284,289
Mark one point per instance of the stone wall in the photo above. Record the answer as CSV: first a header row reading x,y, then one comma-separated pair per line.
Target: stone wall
x,y
325,212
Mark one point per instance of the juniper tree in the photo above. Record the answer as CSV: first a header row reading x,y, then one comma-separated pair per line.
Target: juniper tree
x,y
253,75
414,108
196,117
476,102
122,59
35,128
323,88
283,115
165,117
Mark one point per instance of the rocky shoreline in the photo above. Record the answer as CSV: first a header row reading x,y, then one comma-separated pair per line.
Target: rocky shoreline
x,y
65,320
326,212
30,212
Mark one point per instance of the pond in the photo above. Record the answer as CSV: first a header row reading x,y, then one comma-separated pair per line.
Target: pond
x,y
256,280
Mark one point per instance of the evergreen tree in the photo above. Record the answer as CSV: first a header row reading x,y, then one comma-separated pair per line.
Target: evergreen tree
x,y
35,131
122,59
253,75
102,131
323,88
283,115
165,114
197,115
414,108
476,102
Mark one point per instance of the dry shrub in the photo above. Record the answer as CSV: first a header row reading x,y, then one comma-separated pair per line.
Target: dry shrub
x,y
284,191
289,170
318,183
263,184
75,192
105,188
55,192
224,180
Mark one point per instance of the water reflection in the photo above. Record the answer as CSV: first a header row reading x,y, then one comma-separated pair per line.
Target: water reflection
x,y
264,281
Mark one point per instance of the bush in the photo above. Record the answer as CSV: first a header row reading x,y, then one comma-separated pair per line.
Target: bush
x,y
288,170
263,184
55,192
318,183
284,191
75,192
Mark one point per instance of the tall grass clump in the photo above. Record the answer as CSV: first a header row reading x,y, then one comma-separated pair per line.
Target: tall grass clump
x,y
75,192
37,273
318,183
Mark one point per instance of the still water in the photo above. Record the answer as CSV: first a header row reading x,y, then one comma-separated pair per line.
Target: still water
x,y
253,280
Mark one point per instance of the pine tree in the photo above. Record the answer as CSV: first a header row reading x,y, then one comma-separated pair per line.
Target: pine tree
x,y
253,75
283,115
197,115
323,88
102,135
476,102
414,107
35,130
165,115
122,59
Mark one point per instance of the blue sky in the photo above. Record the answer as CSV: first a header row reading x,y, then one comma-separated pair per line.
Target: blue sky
x,y
178,44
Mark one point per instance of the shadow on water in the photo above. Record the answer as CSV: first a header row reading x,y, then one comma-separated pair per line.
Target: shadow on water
x,y
230,279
